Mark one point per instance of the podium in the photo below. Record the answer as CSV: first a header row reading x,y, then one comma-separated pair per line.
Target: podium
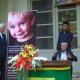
x,y
52,70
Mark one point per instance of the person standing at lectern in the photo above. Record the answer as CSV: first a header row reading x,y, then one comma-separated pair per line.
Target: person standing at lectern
x,y
64,54
65,35
2,51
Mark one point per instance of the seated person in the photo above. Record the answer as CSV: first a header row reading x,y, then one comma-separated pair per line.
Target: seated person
x,y
63,54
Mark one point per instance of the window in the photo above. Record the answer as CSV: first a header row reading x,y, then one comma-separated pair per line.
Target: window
x,y
69,13
44,29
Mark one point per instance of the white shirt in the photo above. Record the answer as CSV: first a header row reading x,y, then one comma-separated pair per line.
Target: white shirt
x,y
63,56
1,36
0,33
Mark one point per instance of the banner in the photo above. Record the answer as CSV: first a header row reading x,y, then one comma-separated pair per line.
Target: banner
x,y
21,31
50,73
63,2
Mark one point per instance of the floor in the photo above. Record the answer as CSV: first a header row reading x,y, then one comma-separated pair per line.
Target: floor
x,y
76,79
76,76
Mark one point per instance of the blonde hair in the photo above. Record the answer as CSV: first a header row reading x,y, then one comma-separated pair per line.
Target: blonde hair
x,y
21,14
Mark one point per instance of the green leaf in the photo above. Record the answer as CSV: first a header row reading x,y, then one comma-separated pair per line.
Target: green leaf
x,y
25,74
38,64
33,67
13,64
20,75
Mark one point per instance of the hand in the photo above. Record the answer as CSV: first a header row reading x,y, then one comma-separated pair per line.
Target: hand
x,y
69,56
55,51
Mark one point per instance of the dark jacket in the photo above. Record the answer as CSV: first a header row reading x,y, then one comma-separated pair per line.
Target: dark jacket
x,y
74,58
67,37
3,46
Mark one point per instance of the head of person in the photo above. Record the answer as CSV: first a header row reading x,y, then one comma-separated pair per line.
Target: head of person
x,y
64,46
66,25
21,25
2,27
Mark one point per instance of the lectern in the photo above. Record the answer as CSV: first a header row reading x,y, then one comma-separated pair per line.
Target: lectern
x,y
52,70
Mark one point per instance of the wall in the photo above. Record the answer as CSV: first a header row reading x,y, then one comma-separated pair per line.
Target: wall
x,y
3,12
18,5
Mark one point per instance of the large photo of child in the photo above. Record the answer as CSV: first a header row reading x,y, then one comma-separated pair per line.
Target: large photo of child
x,y
22,28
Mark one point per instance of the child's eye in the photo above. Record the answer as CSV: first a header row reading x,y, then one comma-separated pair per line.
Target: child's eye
x,y
22,23
12,27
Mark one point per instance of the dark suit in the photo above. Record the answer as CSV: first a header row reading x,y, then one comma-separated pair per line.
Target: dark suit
x,y
74,58
58,54
2,56
67,37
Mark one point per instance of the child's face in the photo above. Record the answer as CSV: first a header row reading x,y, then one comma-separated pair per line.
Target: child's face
x,y
19,27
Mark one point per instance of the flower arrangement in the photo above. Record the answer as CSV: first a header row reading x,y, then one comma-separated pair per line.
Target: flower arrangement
x,y
28,58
